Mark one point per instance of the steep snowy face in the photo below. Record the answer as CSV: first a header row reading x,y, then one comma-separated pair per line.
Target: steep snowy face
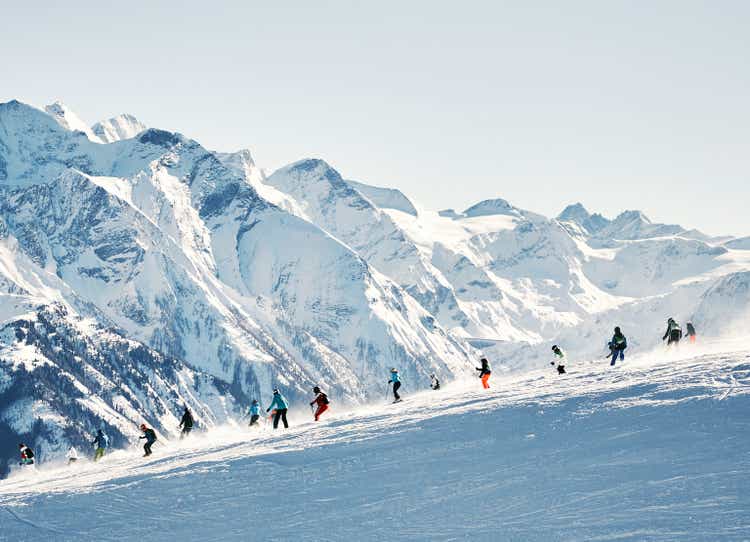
x,y
577,214
62,378
724,308
123,126
66,118
336,206
385,198
172,243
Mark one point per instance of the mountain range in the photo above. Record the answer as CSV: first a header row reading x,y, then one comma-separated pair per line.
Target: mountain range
x,y
140,271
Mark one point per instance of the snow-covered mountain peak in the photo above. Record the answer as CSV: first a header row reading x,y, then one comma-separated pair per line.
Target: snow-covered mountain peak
x,y
67,118
123,126
497,206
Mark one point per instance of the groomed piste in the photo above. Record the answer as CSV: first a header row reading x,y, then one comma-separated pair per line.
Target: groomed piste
x,y
655,449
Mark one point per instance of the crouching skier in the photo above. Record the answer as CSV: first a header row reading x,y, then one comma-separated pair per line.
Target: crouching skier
x,y
150,436
254,413
560,359
72,455
321,399
434,382
27,455
280,405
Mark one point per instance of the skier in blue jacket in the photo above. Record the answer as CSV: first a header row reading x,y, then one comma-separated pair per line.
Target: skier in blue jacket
x,y
396,381
102,443
254,412
280,406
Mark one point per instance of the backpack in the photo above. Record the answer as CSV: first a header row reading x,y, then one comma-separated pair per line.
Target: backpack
x,y
325,399
29,453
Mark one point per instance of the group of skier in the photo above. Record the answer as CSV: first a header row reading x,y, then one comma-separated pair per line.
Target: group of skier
x,y
279,406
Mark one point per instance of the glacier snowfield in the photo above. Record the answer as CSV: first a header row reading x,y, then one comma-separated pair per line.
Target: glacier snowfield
x,y
657,448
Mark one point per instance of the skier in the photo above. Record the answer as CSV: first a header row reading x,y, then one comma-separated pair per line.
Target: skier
x,y
673,333
691,331
560,359
150,436
254,412
617,345
72,455
434,382
280,405
396,381
101,441
186,423
27,455
484,373
321,399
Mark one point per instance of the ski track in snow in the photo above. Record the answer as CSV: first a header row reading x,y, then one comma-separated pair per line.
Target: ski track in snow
x,y
644,451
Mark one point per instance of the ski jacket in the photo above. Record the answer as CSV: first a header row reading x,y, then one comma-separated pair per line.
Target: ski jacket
x,y
484,369
254,409
690,329
618,342
320,399
150,435
672,326
394,377
278,403
559,353
27,453
187,419
101,440
72,453
434,383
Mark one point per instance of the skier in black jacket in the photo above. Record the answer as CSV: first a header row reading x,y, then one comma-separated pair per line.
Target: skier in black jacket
x,y
673,333
150,436
186,423
484,373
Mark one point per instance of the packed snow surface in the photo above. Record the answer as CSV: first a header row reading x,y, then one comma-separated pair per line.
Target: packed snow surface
x,y
655,448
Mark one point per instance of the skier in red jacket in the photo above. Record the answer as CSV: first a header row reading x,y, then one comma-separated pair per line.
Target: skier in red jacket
x,y
321,399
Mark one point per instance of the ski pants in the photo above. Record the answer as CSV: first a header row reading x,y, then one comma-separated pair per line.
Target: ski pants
x,y
561,369
615,353
396,386
147,446
321,409
486,380
186,431
280,415
254,419
98,454
692,338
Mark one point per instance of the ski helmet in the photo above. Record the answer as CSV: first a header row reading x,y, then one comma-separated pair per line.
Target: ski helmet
x,y
255,401
393,370
143,426
316,389
554,347
275,391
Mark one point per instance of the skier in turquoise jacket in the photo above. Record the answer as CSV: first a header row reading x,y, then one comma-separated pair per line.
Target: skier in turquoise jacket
x,y
280,407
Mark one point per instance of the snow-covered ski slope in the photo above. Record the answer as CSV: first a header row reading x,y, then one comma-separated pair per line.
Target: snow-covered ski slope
x,y
657,448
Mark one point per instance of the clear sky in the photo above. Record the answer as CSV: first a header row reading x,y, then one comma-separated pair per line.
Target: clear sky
x,y
619,105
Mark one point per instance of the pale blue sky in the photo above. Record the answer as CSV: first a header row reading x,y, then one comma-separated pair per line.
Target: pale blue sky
x,y
615,104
